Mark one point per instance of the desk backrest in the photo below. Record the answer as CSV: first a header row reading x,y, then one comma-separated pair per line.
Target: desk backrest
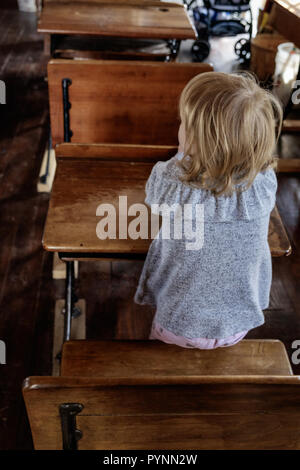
x,y
211,412
119,102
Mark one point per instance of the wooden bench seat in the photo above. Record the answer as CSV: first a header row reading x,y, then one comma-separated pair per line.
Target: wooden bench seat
x,y
155,359
148,395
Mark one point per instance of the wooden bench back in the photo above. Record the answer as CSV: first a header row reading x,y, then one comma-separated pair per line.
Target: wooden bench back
x,y
118,102
211,412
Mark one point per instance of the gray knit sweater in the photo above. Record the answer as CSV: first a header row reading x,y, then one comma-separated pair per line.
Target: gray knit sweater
x,y
221,288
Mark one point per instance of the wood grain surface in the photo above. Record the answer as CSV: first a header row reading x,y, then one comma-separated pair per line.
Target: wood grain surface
x,y
119,101
118,19
81,185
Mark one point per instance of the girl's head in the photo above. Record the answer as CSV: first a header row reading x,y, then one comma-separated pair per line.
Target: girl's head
x,y
228,130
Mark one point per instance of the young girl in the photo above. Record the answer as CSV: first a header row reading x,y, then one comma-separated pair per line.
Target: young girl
x,y
212,297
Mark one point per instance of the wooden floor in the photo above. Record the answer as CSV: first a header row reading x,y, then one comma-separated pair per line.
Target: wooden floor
x,y
27,291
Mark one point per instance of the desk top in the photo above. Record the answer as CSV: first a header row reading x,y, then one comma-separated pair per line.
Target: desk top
x,y
81,185
131,19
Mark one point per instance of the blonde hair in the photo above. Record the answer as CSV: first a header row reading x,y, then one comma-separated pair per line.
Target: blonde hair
x,y
230,126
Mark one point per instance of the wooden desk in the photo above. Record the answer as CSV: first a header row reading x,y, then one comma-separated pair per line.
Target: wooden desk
x,y
147,394
130,109
285,18
132,19
156,359
79,187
